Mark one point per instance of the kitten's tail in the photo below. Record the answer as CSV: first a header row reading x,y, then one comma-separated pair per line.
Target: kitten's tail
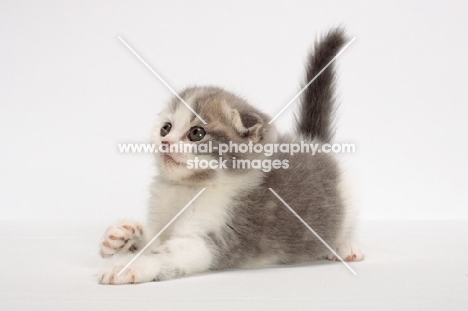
x,y
317,108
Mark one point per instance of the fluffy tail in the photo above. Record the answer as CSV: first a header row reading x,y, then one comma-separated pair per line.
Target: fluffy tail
x,y
317,109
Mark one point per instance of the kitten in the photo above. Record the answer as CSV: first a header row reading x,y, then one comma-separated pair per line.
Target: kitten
x,y
237,222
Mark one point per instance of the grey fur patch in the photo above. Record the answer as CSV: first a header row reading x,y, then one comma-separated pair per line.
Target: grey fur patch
x,y
261,226
249,119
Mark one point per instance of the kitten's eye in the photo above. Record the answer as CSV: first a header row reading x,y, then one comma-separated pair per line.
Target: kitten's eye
x,y
196,133
165,129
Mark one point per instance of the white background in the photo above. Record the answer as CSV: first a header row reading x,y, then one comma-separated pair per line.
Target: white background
x,y
70,91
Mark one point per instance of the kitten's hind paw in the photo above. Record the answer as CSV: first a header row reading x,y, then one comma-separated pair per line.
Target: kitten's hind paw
x,y
348,251
125,237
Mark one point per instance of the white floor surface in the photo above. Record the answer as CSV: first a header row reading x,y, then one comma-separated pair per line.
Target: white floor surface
x,y
409,265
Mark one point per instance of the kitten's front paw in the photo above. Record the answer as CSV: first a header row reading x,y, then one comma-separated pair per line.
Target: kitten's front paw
x,y
143,269
348,251
126,237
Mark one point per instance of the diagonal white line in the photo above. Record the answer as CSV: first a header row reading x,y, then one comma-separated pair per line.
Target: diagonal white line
x,y
162,230
313,231
161,79
313,79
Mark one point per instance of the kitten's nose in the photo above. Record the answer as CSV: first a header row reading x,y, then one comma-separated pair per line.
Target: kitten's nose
x,y
165,142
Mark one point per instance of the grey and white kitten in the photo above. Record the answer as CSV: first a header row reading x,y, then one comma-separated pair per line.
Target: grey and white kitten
x,y
237,222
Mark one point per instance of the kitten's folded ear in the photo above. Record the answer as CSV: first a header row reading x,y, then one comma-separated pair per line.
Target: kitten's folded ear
x,y
247,124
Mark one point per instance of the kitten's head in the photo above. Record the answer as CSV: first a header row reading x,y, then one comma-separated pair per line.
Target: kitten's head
x,y
228,119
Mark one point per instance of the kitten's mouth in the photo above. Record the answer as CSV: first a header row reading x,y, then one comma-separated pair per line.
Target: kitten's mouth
x,y
168,160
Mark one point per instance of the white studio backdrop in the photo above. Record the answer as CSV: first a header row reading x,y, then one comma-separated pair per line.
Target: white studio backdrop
x,y
70,91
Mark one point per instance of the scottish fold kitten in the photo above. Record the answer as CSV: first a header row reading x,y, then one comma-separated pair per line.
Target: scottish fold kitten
x,y
237,221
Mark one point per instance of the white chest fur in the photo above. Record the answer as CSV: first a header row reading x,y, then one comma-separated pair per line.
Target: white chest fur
x,y
208,213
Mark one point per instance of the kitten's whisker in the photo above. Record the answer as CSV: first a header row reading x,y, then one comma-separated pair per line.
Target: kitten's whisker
x,y
313,231
313,79
162,230
162,80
